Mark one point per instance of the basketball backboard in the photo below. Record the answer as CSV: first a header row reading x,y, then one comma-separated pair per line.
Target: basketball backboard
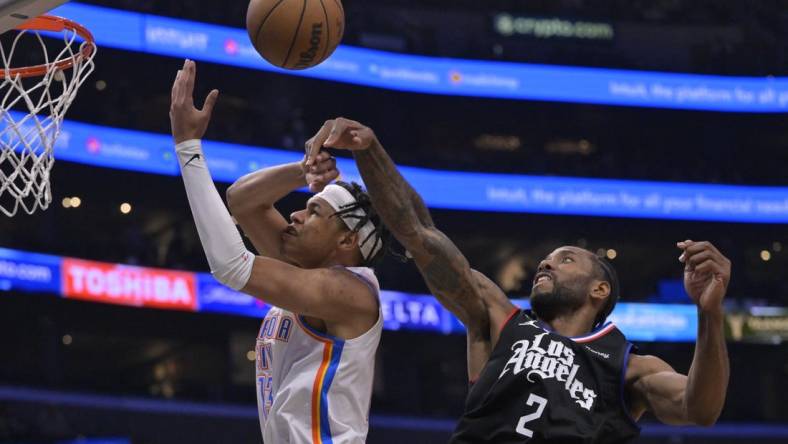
x,y
15,12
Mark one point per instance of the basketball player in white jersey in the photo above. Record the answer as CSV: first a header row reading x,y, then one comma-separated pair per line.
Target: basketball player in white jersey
x,y
316,346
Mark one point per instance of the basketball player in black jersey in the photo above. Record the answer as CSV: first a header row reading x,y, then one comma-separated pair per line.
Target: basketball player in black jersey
x,y
557,374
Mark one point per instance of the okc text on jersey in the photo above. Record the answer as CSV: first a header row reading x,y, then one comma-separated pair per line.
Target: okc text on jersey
x,y
276,327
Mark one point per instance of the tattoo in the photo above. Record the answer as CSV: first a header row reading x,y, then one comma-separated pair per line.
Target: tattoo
x,y
395,200
441,272
441,263
421,208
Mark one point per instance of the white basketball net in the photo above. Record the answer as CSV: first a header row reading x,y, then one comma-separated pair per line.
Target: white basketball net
x,y
31,112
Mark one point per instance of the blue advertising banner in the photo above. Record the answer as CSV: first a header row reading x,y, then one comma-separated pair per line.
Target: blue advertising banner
x,y
153,153
433,75
41,273
213,297
402,311
29,271
656,322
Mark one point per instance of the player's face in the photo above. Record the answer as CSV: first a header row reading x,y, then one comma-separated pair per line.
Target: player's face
x,y
562,282
313,234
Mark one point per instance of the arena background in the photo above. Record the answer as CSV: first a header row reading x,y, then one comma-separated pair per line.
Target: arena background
x,y
83,363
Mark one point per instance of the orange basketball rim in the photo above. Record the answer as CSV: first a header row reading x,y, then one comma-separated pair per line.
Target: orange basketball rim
x,y
54,24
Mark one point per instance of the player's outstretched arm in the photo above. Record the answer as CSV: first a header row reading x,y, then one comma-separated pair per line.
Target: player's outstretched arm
x,y
252,197
697,398
442,265
328,294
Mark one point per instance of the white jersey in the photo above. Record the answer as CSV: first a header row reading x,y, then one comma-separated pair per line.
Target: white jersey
x,y
312,387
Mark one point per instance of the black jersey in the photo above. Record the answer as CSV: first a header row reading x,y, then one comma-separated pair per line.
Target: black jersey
x,y
541,387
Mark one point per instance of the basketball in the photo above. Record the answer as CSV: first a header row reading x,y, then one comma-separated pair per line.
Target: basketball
x,y
295,34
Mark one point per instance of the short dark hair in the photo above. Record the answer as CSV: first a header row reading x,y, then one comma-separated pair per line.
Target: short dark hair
x,y
605,271
380,235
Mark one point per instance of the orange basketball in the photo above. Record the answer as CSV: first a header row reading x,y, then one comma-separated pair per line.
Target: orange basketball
x,y
295,34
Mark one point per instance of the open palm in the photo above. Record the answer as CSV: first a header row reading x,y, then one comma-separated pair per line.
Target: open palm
x,y
187,121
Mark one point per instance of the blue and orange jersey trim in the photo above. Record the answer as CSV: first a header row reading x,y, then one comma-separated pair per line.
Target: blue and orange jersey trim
x,y
332,353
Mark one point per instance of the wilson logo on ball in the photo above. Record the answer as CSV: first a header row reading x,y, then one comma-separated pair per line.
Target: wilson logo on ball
x,y
308,56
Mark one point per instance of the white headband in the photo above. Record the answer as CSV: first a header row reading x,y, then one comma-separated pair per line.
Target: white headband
x,y
340,198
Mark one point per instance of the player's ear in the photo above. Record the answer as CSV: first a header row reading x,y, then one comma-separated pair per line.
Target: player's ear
x,y
600,290
348,241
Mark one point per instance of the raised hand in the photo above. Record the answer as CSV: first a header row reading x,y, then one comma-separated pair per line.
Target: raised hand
x,y
340,133
706,273
187,121
321,173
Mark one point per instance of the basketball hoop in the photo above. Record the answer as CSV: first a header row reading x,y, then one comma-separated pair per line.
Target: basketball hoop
x,y
33,101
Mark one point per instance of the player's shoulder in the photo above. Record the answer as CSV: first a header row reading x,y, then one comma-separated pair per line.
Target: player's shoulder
x,y
490,292
639,366
354,295
366,274
355,285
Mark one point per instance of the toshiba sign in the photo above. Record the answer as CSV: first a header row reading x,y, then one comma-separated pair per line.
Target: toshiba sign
x,y
126,285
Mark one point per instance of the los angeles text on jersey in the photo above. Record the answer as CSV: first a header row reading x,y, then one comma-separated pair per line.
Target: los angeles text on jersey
x,y
549,359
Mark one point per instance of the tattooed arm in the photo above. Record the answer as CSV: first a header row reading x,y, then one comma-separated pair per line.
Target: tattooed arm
x,y
481,306
444,268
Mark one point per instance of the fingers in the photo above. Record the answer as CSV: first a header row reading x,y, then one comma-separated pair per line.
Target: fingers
x,y
326,173
324,162
703,258
356,137
692,260
210,102
317,183
694,247
362,137
190,73
174,92
321,157
331,176
341,127
691,248
177,87
709,266
322,172
183,86
315,144
338,133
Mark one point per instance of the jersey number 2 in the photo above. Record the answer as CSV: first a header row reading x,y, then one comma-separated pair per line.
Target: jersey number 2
x,y
541,403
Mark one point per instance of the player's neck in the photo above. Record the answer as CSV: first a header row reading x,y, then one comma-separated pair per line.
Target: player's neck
x,y
578,323
334,261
